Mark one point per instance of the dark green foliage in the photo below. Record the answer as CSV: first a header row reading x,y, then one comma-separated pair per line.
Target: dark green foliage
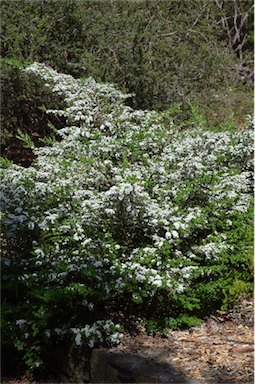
x,y
162,51
22,110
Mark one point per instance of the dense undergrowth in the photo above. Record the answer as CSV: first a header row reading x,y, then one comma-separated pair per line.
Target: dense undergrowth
x,y
125,217
164,52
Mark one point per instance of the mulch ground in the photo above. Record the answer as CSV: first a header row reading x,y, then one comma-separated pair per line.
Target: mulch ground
x,y
221,350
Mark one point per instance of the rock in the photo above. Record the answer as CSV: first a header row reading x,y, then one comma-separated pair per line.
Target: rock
x,y
70,362
107,366
80,364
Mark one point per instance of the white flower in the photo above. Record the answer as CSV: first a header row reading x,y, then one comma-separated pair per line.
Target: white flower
x,y
175,234
157,283
58,331
177,225
78,339
21,322
47,332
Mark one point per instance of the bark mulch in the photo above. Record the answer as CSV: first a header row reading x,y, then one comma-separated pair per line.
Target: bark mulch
x,y
221,350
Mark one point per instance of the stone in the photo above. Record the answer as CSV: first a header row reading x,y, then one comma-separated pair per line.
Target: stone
x,y
107,366
80,364
70,362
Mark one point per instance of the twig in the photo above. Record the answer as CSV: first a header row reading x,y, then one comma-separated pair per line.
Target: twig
x,y
238,341
220,342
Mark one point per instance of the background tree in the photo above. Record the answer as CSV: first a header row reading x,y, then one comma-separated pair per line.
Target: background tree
x,y
164,52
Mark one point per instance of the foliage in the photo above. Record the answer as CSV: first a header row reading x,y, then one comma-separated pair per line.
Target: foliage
x,y
23,98
26,139
164,52
125,218
184,321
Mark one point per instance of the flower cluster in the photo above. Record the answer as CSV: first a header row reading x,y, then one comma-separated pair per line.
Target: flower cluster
x,y
125,211
100,331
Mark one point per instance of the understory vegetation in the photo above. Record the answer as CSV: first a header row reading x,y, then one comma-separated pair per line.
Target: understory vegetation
x,y
163,52
126,217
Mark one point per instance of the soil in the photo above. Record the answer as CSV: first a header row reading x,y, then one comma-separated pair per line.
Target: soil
x,y
221,350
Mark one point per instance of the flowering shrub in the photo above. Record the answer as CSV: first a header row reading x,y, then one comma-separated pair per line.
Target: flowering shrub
x,y
126,218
